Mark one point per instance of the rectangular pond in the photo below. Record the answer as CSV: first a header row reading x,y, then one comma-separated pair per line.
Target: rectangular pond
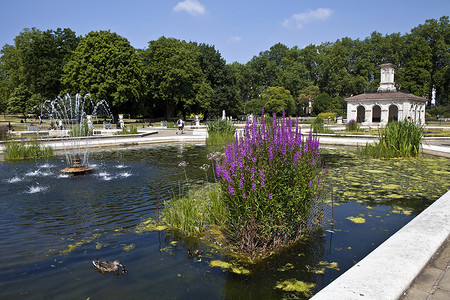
x,y
52,226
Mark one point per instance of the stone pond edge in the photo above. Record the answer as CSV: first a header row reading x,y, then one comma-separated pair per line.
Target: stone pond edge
x,y
388,271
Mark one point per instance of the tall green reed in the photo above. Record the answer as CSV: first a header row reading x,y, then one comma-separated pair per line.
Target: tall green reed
x,y
220,132
21,150
397,139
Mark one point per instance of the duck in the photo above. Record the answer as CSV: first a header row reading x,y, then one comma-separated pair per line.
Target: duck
x,y
198,252
107,266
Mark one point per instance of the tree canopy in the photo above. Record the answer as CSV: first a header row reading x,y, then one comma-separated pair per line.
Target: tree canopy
x,y
107,67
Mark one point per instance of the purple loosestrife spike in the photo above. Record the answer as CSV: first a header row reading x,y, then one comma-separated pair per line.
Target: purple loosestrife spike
x,y
310,184
270,196
231,190
253,186
218,170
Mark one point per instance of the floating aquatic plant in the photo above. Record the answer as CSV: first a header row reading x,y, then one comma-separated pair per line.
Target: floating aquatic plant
x,y
357,220
229,267
294,285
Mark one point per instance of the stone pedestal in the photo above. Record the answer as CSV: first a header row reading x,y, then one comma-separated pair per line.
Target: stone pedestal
x,y
197,121
121,122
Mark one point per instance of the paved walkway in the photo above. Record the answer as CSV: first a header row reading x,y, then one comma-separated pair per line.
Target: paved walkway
x,y
433,283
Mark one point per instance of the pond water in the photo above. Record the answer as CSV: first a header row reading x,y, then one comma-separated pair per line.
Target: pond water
x,y
53,226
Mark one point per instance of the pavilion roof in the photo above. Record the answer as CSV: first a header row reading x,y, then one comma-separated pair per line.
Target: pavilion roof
x,y
385,96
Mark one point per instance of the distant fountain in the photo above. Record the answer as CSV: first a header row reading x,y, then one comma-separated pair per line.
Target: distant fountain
x,y
75,126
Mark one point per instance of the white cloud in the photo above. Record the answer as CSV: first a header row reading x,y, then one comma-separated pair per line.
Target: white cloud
x,y
192,7
297,21
235,39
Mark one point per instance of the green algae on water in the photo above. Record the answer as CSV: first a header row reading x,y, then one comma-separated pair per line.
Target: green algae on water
x,y
74,246
150,225
128,247
286,267
357,220
294,285
229,267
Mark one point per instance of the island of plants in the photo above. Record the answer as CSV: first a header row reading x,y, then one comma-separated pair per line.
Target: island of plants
x,y
266,194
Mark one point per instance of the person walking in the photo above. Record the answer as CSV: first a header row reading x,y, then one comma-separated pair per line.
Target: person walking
x,y
180,124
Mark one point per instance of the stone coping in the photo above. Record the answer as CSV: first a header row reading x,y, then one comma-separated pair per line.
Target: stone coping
x,y
388,271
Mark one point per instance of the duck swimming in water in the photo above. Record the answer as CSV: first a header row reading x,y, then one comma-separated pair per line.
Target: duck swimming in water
x,y
107,266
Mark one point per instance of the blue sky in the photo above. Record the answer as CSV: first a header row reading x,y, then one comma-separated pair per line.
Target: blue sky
x,y
239,29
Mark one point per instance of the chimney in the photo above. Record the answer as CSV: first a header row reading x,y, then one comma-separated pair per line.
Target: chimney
x,y
387,78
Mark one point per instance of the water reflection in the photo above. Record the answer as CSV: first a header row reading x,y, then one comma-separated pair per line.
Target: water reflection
x,y
50,236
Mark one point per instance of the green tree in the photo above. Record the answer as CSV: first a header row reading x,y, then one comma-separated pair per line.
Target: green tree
x,y
436,35
325,103
18,102
306,98
43,56
219,76
106,66
416,71
277,98
174,75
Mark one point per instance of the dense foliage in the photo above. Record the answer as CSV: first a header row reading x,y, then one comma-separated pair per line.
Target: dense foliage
x,y
269,181
173,77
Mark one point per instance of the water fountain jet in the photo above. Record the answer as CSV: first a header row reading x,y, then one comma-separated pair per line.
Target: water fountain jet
x,y
75,127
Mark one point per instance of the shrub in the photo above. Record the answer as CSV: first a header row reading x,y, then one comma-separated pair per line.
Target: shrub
x,y
353,126
397,139
326,115
3,132
269,180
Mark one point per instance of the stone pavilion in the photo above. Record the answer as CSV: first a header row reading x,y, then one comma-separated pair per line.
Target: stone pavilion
x,y
377,108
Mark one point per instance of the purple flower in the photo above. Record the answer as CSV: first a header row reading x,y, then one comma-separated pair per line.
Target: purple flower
x,y
270,196
310,184
231,190
253,186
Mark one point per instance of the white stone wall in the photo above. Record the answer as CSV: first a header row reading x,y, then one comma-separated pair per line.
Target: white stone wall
x,y
406,108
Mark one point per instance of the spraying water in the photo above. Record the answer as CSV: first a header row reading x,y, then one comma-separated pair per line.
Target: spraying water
x,y
76,124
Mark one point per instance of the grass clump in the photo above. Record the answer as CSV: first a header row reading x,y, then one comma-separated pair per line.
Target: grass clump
x,y
220,132
397,139
80,130
132,130
21,150
200,208
318,126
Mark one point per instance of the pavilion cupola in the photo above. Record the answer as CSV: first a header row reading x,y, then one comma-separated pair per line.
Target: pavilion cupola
x,y
387,78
